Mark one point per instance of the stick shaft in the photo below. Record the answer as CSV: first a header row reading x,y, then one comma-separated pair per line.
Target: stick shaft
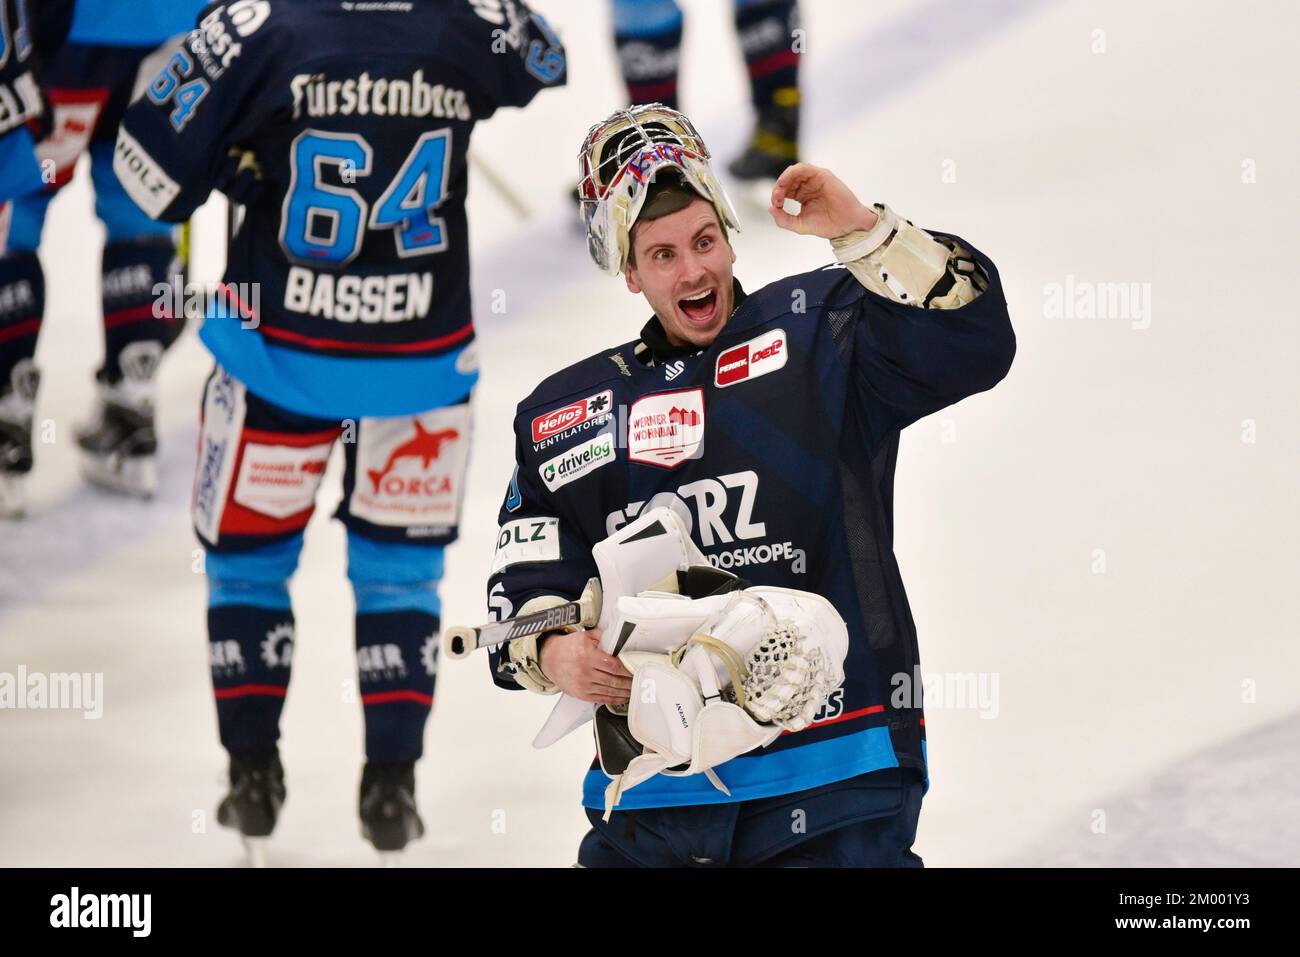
x,y
461,641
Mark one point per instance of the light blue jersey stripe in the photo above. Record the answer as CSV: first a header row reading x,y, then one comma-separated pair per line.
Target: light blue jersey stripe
x,y
131,23
758,776
330,387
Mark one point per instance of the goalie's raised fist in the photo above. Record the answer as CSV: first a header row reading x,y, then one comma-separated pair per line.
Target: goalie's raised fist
x,y
828,208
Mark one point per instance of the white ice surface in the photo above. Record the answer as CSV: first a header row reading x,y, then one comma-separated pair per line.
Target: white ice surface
x,y
1161,692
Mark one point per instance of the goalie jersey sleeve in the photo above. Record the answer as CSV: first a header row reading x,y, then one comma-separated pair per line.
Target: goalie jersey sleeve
x,y
910,361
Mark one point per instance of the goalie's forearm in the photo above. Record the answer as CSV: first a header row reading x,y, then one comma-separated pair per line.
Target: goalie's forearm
x,y
898,261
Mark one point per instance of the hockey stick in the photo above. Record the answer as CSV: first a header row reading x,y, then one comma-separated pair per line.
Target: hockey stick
x,y
460,641
499,184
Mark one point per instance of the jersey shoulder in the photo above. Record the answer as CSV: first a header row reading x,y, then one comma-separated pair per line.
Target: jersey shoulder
x,y
829,287
581,377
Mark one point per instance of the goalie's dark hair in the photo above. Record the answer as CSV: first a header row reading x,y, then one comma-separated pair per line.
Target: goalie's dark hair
x,y
668,194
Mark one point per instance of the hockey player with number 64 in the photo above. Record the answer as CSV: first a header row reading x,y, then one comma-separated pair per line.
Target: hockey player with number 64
x,y
742,678
341,132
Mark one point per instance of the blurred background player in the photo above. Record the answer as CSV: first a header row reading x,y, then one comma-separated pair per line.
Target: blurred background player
x,y
87,82
25,42
648,37
341,131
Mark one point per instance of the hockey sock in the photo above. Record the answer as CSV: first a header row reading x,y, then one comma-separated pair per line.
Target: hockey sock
x,y
22,305
250,650
135,314
765,29
397,661
648,37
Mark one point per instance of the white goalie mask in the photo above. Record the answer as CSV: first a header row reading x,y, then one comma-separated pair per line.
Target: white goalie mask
x,y
621,157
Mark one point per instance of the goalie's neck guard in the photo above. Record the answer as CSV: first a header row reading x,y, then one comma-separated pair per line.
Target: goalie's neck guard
x,y
621,157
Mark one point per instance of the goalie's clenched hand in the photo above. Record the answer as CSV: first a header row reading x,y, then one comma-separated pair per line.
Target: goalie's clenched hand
x,y
577,666
828,207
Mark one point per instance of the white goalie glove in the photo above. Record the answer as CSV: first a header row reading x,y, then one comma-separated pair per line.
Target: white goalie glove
x,y
718,669
715,677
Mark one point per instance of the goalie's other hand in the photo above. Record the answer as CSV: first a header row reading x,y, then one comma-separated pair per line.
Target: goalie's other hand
x,y
577,666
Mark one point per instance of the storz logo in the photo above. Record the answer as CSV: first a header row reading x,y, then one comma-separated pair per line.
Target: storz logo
x,y
751,359
560,420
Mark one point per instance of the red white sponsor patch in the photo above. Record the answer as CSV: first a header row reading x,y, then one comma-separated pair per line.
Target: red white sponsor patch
x,y
280,480
410,469
74,116
666,429
559,420
751,359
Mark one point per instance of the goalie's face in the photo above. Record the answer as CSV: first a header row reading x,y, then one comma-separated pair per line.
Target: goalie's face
x,y
683,267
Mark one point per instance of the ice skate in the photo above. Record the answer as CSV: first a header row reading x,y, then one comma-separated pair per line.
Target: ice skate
x,y
119,447
17,399
389,819
15,464
773,147
253,805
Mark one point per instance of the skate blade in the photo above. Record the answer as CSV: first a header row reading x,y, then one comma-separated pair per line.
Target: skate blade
x,y
137,476
255,848
13,496
390,858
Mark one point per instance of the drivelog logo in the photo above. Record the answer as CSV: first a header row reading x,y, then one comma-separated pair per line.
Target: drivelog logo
x,y
578,461
594,408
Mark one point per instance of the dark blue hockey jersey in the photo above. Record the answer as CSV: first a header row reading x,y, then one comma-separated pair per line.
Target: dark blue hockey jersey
x,y
29,32
777,445
343,129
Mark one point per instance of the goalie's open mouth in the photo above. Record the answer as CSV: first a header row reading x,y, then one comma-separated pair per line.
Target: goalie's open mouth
x,y
699,309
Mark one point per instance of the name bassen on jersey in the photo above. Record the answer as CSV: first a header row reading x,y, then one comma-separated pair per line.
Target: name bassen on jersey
x,y
399,297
